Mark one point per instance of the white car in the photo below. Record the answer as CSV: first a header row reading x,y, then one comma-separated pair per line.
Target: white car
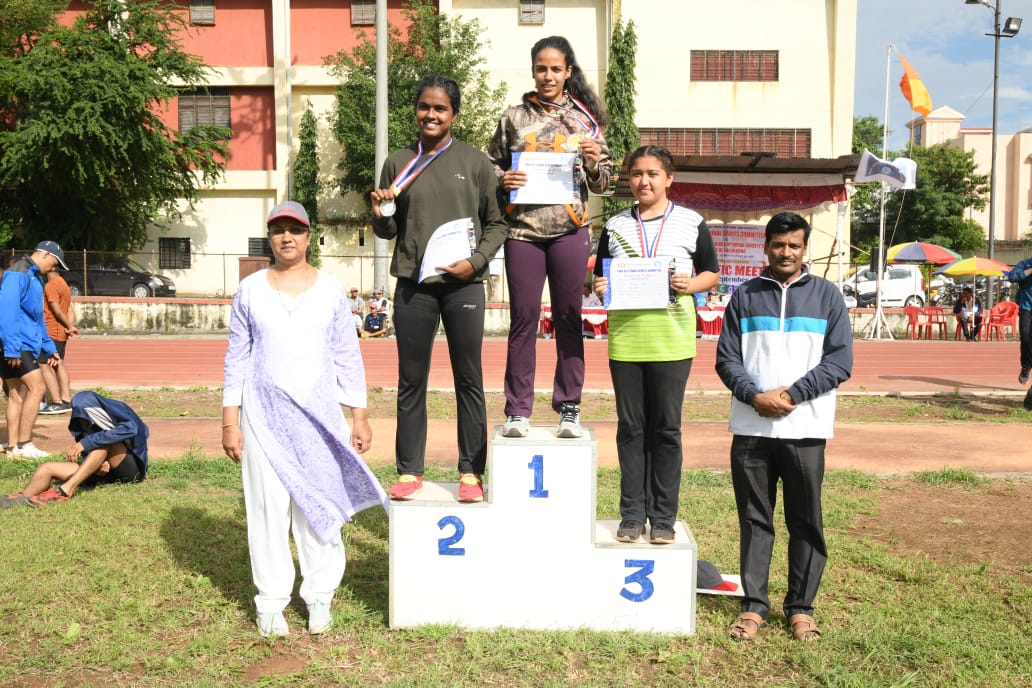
x,y
902,285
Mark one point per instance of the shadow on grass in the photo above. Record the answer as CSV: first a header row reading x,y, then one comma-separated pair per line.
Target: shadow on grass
x,y
212,546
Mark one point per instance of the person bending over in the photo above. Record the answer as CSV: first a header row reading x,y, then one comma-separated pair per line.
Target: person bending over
x,y
110,447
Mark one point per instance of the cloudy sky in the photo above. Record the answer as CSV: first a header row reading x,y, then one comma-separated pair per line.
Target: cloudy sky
x,y
945,42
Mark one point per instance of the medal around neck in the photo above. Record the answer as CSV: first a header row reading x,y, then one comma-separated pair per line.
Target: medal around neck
x,y
388,207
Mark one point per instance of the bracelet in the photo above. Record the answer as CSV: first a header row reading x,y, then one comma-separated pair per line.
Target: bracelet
x,y
228,425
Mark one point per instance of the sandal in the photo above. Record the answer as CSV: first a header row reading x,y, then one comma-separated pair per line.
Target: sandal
x,y
803,628
747,625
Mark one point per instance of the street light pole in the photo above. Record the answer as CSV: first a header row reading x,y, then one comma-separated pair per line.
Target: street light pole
x,y
1009,31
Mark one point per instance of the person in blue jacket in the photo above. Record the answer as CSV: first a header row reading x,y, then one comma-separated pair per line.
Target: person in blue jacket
x,y
1022,276
23,335
110,447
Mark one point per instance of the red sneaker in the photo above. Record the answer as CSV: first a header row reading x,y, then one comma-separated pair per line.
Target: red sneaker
x,y
406,487
470,488
51,496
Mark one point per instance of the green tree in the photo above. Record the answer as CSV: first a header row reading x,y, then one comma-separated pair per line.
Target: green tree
x,y
947,185
867,133
436,44
622,134
86,158
306,177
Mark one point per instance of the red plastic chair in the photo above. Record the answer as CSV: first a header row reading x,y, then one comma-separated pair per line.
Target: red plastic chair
x,y
934,317
1001,316
913,314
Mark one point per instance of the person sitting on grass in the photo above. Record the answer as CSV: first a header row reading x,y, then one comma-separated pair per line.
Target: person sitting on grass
x,y
375,323
110,447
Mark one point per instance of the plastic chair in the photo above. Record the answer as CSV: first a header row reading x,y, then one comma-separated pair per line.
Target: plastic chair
x,y
1001,316
913,314
934,317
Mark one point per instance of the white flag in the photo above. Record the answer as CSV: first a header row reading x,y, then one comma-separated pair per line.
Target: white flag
x,y
900,173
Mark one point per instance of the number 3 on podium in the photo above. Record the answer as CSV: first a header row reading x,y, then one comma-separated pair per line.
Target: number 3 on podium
x,y
640,578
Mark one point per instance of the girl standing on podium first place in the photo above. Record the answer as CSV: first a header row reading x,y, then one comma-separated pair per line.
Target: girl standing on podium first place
x,y
651,350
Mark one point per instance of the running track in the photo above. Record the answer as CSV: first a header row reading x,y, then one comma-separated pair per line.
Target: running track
x,y
881,367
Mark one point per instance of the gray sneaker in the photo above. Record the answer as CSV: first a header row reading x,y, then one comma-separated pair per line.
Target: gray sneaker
x,y
516,426
53,410
662,535
630,531
569,421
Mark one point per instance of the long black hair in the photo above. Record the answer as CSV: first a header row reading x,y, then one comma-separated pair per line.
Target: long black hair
x,y
577,86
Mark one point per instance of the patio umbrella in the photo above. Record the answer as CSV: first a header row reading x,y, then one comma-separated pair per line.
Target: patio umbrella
x,y
920,252
975,266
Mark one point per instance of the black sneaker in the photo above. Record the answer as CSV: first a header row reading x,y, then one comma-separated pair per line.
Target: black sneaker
x,y
662,535
569,421
629,531
1023,376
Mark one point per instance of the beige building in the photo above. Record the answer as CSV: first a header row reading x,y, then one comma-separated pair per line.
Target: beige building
x,y
714,81
1013,202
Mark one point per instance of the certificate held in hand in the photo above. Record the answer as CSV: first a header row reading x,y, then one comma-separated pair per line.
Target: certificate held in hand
x,y
549,178
636,283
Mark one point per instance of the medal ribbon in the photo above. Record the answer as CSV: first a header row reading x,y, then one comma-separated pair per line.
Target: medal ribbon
x,y
650,251
410,171
591,126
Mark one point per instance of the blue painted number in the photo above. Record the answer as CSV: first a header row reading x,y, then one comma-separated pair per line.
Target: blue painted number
x,y
537,464
444,545
639,577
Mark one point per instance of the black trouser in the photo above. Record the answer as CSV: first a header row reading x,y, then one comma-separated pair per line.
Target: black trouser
x,y
756,465
649,397
1025,335
418,309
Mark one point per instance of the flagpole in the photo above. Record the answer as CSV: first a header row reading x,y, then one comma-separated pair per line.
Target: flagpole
x,y
878,321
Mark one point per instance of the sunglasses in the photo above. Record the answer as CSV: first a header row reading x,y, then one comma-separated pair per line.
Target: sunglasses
x,y
294,230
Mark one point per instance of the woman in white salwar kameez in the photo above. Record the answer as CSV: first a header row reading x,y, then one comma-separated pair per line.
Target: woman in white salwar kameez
x,y
292,365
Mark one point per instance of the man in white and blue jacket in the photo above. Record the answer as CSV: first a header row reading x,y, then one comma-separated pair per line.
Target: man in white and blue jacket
x,y
786,345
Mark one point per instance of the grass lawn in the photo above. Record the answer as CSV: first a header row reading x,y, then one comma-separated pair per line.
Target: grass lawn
x,y
149,585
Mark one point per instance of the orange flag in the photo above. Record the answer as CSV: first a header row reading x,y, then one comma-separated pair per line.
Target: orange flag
x,y
914,89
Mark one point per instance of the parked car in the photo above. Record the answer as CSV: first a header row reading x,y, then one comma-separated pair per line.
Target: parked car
x,y
111,275
902,285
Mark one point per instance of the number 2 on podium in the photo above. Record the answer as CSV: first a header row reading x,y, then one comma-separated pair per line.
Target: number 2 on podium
x,y
537,464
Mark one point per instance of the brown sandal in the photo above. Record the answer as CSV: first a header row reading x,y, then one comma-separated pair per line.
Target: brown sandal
x,y
803,628
747,625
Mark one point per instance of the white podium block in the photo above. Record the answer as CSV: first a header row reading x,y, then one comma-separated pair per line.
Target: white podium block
x,y
532,555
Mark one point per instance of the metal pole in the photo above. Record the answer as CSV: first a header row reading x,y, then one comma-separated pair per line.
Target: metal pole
x,y
380,246
992,162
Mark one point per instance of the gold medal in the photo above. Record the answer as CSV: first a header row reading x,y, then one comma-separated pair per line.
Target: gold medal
x,y
573,143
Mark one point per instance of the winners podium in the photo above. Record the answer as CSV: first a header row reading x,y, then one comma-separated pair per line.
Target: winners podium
x,y
533,555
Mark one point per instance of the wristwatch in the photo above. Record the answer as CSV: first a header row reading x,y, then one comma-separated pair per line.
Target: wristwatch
x,y
785,396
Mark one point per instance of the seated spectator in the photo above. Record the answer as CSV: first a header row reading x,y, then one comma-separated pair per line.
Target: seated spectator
x,y
357,308
110,447
375,324
589,299
968,310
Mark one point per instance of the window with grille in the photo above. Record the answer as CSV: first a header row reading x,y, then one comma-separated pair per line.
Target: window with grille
x,y
202,12
785,143
734,65
532,11
259,246
363,12
203,107
173,253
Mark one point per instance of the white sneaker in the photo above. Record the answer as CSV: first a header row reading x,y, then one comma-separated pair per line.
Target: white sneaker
x,y
516,426
569,421
272,625
28,451
319,619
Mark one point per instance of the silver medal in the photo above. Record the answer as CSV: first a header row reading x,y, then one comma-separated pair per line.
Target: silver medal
x,y
388,207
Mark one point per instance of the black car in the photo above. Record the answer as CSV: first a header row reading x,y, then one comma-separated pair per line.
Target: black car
x,y
111,275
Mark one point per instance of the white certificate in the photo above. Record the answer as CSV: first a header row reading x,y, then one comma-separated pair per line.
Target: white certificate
x,y
450,242
637,283
549,178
